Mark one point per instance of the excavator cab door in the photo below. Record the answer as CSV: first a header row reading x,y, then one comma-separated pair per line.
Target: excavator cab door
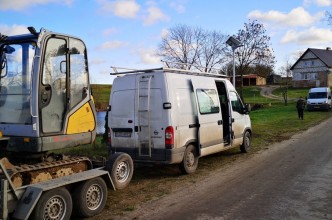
x,y
53,96
64,88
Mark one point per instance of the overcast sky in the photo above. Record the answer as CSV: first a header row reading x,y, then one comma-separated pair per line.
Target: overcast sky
x,y
126,33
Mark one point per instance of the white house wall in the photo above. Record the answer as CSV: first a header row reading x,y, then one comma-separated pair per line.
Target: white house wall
x,y
310,71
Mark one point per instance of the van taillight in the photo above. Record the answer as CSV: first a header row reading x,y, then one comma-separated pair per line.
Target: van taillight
x,y
169,137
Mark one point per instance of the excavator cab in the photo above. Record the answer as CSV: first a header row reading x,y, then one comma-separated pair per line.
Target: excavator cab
x,y
45,96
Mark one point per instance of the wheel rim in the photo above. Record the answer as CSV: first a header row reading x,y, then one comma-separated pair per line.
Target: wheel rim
x,y
94,197
190,159
122,171
55,208
247,140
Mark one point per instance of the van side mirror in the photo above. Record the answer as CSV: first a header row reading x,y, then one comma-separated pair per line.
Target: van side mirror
x,y
329,97
246,109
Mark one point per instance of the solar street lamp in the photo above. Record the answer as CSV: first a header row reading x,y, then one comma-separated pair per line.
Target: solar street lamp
x,y
234,43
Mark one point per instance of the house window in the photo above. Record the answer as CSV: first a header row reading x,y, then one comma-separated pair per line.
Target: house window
x,y
309,76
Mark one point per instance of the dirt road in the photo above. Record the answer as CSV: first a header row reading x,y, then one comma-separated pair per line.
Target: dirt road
x,y
289,180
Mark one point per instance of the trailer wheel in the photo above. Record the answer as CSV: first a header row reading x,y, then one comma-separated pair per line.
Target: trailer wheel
x,y
90,197
121,168
245,147
54,204
190,160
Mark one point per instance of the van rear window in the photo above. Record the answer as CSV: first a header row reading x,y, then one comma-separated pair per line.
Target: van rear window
x,y
120,103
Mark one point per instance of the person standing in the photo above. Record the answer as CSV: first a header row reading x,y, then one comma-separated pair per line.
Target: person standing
x,y
300,105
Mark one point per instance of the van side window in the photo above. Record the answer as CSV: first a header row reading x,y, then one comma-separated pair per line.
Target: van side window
x,y
207,101
236,102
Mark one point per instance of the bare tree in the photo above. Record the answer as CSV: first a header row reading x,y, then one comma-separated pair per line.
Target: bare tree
x,y
255,49
181,45
192,47
285,72
329,17
212,54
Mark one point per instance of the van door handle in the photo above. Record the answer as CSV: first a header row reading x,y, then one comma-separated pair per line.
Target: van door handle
x,y
233,120
194,126
219,122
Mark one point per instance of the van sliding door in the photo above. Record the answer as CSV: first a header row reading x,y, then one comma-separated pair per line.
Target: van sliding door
x,y
210,131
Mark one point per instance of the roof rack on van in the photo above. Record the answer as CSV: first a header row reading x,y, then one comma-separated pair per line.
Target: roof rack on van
x,y
116,72
168,69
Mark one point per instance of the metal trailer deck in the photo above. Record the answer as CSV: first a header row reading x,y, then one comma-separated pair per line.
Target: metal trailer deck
x,y
21,201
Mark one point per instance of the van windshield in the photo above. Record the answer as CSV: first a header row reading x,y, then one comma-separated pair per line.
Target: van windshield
x,y
317,95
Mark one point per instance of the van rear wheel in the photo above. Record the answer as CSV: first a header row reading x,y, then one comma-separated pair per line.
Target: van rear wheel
x,y
190,160
245,147
121,168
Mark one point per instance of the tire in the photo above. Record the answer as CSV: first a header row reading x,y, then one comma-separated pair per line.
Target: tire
x,y
90,197
190,160
54,204
121,169
245,147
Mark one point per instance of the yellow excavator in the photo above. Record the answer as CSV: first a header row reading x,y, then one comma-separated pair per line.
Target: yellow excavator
x,y
45,105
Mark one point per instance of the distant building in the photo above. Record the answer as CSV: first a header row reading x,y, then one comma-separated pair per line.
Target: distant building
x,y
313,68
249,80
274,79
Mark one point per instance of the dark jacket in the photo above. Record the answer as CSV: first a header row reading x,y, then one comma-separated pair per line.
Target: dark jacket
x,y
300,104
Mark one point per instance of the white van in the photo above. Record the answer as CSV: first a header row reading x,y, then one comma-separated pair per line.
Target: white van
x,y
173,116
319,98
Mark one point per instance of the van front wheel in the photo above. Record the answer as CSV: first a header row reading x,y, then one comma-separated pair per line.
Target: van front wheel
x,y
246,142
190,160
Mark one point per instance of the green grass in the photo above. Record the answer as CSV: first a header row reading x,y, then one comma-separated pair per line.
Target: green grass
x,y
97,149
252,95
275,121
101,95
279,122
293,93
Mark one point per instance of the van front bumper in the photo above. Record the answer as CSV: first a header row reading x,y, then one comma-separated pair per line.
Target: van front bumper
x,y
311,107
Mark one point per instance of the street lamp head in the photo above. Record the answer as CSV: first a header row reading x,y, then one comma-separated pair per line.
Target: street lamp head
x,y
233,42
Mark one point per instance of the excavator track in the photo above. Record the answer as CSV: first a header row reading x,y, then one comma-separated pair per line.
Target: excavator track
x,y
29,174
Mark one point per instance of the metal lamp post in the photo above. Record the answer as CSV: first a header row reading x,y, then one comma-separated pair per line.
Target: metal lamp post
x,y
234,43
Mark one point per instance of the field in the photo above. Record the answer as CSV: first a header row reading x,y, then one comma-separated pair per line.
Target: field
x,y
101,95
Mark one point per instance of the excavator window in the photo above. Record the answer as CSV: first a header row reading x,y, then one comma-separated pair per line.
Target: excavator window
x,y
78,72
54,86
15,94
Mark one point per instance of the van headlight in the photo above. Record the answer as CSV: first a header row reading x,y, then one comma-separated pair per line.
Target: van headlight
x,y
308,102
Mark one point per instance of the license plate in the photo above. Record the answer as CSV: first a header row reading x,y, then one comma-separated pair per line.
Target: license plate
x,y
122,134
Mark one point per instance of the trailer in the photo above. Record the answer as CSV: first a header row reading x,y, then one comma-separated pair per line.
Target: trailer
x,y
54,199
